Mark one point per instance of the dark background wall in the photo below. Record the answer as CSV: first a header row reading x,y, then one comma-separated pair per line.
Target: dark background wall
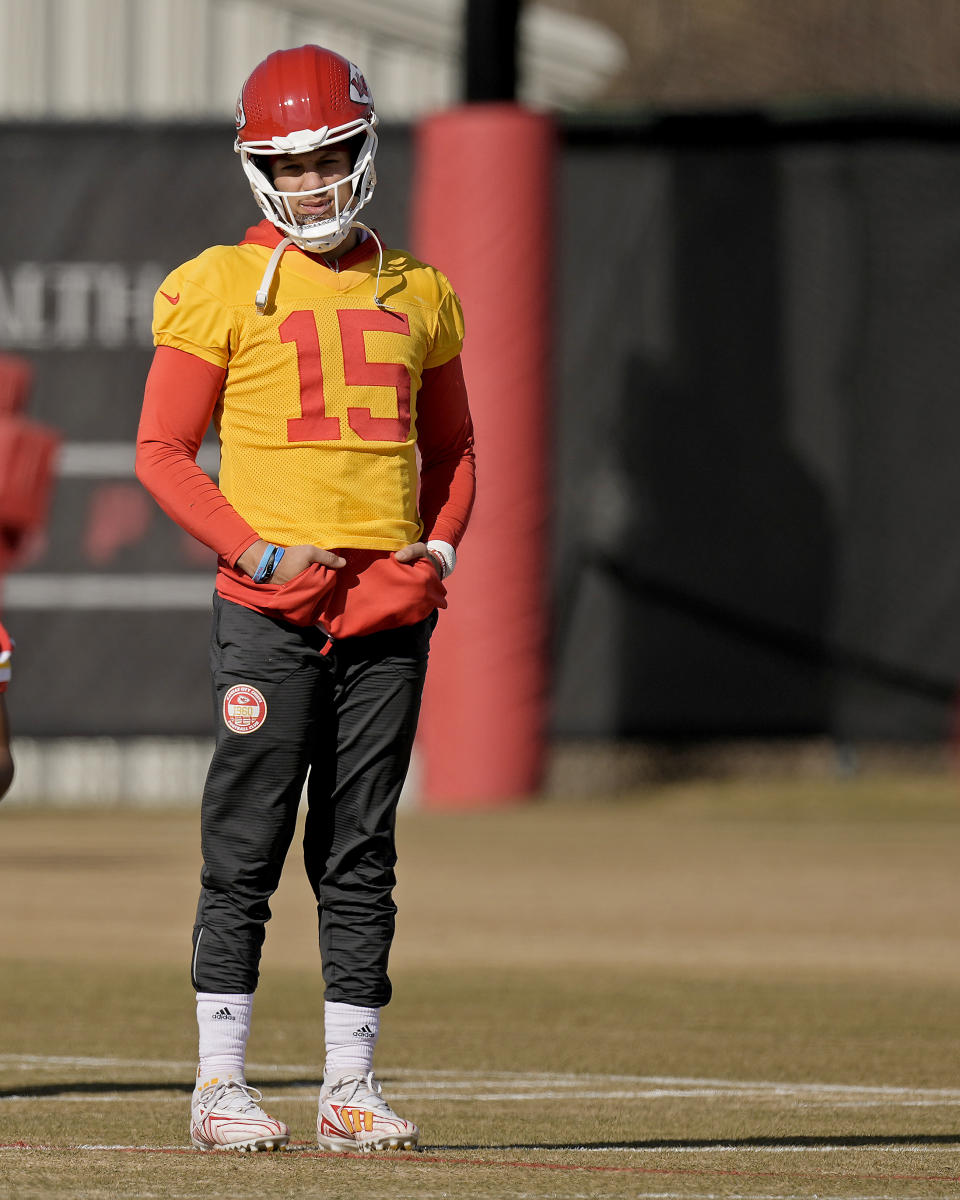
x,y
754,430
758,489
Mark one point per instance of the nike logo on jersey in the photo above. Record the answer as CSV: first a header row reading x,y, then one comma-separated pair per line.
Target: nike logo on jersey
x,y
173,299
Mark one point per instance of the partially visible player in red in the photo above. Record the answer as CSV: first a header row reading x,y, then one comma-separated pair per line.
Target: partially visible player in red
x,y
329,364
6,757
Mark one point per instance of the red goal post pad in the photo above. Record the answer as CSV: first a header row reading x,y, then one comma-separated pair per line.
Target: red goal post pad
x,y
483,215
16,382
28,453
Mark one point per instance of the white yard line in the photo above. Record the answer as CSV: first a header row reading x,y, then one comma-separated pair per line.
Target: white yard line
x,y
501,1086
535,1085
28,1062
472,1086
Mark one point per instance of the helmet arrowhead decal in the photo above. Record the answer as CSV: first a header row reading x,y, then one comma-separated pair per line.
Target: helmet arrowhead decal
x,y
359,92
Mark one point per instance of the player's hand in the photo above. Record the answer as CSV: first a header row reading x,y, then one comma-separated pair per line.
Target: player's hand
x,y
295,559
298,558
409,554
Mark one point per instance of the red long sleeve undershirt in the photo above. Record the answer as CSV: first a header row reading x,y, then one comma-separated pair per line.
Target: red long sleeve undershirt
x,y
445,441
180,397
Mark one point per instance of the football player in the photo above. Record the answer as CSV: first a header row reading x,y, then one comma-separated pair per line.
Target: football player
x,y
329,364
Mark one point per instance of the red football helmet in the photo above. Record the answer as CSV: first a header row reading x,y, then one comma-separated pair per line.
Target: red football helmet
x,y
296,101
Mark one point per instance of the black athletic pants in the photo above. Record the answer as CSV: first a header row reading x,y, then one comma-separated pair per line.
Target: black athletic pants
x,y
347,712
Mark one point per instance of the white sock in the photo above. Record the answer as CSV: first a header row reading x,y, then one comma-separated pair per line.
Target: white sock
x,y
351,1034
224,1024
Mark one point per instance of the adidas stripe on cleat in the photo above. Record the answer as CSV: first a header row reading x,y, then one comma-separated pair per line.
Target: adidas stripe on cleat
x,y
353,1115
226,1115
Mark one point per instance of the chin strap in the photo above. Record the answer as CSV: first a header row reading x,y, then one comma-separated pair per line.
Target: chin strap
x,y
263,291
376,288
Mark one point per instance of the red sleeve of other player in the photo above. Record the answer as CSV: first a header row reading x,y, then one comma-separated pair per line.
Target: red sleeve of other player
x,y
445,440
180,396
6,652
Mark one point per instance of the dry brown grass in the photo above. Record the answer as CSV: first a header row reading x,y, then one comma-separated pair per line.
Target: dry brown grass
x,y
789,950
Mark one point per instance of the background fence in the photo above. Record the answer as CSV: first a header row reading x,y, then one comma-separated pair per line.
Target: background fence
x,y
754,428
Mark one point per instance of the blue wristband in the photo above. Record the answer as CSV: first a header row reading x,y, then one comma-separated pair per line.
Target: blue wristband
x,y
261,570
268,563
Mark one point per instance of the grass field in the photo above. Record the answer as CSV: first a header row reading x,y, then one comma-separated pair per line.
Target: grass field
x,y
742,990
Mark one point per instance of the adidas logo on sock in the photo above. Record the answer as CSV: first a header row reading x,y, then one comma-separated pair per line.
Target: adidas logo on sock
x,y
365,1034
223,1015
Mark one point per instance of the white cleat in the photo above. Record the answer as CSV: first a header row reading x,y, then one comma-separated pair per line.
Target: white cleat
x,y
353,1115
225,1115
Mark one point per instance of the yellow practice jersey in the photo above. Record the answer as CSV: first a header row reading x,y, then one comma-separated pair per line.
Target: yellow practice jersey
x,y
318,415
